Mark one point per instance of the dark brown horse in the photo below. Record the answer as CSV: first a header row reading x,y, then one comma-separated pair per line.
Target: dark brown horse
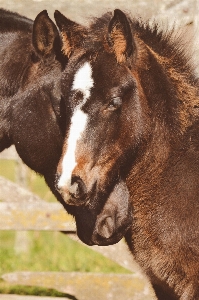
x,y
132,100
31,62
30,89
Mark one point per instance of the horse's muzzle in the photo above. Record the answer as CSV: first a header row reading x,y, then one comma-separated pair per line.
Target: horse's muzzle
x,y
73,192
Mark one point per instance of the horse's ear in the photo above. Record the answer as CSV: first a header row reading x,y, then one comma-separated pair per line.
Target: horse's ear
x,y
44,34
71,33
120,36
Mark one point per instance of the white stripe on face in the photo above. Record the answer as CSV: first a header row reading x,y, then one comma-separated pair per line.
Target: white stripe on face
x,y
83,82
78,124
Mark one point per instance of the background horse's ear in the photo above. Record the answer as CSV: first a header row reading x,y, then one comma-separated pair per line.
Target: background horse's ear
x,y
44,34
71,33
120,36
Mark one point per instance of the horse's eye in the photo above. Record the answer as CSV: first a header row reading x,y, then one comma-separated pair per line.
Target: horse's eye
x,y
115,103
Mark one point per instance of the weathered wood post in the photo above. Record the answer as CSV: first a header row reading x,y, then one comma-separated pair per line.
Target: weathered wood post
x,y
22,238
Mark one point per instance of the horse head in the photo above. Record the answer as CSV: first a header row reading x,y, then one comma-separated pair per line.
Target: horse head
x,y
108,121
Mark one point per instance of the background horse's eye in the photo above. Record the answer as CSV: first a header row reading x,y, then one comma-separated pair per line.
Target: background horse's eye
x,y
115,103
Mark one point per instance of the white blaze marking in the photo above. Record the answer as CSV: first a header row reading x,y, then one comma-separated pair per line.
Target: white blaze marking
x,y
83,82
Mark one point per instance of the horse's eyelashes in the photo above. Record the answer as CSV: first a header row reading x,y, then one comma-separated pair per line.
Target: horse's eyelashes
x,y
114,104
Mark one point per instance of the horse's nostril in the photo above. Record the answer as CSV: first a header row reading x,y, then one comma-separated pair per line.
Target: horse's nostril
x,y
78,188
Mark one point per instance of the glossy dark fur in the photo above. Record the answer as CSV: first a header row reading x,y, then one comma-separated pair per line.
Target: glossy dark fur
x,y
143,127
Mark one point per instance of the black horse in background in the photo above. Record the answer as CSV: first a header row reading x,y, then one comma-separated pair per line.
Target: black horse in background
x,y
135,91
30,71
33,119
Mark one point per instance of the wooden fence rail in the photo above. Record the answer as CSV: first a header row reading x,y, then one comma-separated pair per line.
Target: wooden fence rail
x,y
22,210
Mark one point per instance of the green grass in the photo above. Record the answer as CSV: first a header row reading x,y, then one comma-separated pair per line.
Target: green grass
x,y
52,251
27,290
48,251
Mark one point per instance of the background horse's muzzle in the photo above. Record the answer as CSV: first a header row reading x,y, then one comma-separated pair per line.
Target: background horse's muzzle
x,y
110,231
111,224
